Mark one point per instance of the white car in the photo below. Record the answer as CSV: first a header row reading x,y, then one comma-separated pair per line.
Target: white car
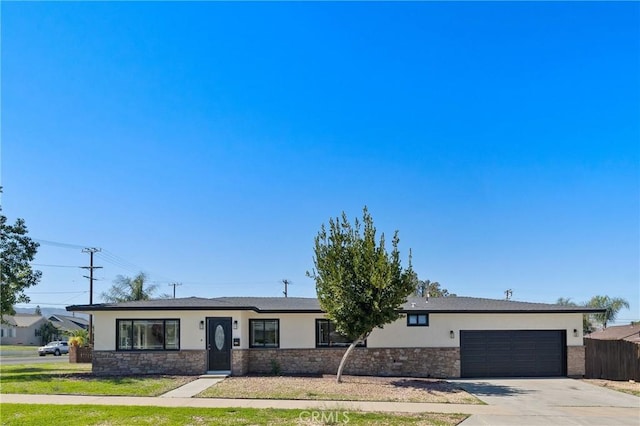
x,y
56,348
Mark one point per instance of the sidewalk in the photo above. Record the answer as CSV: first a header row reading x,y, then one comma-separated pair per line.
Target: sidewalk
x,y
404,407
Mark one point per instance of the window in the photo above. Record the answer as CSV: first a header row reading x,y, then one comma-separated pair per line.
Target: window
x,y
8,332
417,320
327,336
142,335
264,333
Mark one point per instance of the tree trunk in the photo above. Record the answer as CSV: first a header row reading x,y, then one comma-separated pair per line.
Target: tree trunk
x,y
346,355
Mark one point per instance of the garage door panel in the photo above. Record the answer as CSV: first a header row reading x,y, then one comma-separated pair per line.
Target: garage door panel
x,y
512,353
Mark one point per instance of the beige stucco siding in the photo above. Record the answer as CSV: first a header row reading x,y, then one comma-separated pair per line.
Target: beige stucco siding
x,y
438,333
297,331
191,336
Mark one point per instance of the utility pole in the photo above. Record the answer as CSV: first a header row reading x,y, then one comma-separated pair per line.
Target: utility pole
x,y
91,251
286,285
174,285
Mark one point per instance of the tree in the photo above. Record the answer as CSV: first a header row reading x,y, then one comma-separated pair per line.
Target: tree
x,y
17,250
125,289
359,285
611,305
427,288
48,332
79,337
38,311
587,327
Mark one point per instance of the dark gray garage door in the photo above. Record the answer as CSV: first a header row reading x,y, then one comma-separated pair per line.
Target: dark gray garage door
x,y
513,353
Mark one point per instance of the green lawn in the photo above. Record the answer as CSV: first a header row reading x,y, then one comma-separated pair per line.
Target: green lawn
x,y
23,414
76,379
18,348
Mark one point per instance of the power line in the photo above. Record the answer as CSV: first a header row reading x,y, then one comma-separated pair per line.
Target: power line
x,y
54,266
91,251
174,285
58,244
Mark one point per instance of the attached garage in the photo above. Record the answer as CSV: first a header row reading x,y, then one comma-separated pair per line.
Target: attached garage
x,y
513,353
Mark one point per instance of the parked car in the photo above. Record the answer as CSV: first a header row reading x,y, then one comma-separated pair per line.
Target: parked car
x,y
56,348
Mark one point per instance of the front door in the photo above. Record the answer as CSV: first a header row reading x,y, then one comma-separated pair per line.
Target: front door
x,y
219,344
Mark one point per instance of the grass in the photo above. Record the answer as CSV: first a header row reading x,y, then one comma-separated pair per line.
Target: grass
x,y
18,348
76,379
27,414
626,386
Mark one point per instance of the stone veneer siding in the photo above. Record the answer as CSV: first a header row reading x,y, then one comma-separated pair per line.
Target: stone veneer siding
x,y
575,361
106,363
416,362
240,361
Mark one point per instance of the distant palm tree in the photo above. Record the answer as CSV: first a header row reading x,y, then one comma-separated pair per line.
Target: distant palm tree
x,y
611,305
587,327
125,289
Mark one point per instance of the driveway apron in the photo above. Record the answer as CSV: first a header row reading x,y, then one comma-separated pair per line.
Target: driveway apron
x,y
551,401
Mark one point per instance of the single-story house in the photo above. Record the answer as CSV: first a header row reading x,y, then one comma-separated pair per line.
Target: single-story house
x,y
67,325
435,337
21,329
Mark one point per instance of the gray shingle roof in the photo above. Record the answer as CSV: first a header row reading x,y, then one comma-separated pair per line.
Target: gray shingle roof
x,y
630,333
303,304
63,322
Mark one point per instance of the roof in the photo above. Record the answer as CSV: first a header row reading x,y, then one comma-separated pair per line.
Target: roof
x,y
630,333
68,323
311,305
23,320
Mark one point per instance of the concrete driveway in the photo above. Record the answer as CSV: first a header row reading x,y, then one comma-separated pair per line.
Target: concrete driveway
x,y
551,401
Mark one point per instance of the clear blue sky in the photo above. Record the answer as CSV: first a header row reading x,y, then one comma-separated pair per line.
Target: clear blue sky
x,y
205,143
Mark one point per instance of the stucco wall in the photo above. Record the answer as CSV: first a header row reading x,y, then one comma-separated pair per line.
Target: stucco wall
x,y
437,334
297,331
191,336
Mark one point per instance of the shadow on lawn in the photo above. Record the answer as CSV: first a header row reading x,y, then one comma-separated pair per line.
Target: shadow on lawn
x,y
427,385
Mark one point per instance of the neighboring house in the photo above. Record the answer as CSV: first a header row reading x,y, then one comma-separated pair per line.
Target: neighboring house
x,y
66,325
613,353
21,329
438,337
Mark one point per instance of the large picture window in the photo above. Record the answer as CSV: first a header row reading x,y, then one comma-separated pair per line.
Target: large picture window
x,y
264,333
327,336
147,335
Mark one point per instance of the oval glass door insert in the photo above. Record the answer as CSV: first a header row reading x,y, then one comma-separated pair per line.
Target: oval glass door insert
x,y
219,337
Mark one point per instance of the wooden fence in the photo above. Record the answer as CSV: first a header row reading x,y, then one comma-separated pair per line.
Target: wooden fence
x,y
612,359
80,354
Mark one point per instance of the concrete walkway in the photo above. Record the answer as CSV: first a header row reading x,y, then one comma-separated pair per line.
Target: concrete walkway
x,y
193,388
404,407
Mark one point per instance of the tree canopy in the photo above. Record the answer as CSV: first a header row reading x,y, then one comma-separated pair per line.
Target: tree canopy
x,y
359,284
17,250
613,305
126,289
427,288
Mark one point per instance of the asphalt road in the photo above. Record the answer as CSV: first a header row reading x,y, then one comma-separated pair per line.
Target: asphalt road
x,y
32,359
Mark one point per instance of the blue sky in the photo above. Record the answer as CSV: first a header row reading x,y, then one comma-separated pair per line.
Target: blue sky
x,y
205,143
